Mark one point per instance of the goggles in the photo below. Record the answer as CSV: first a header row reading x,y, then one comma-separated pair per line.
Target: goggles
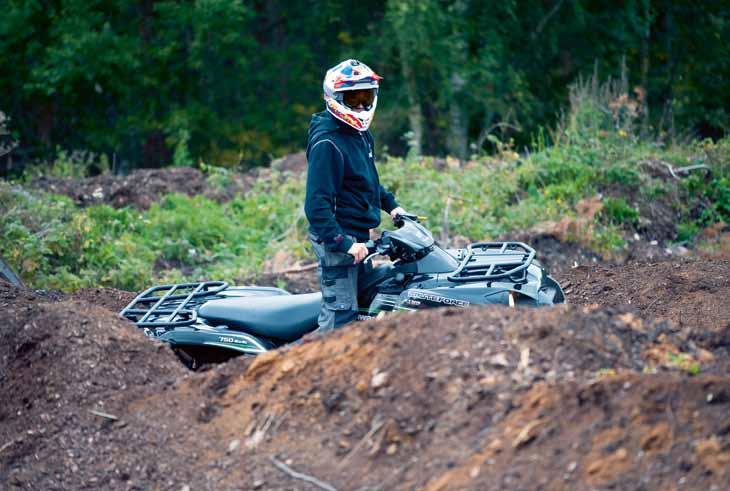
x,y
361,97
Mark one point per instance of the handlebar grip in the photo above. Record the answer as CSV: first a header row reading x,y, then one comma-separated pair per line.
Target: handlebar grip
x,y
410,216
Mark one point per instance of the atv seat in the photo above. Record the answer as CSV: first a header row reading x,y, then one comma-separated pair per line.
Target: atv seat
x,y
284,317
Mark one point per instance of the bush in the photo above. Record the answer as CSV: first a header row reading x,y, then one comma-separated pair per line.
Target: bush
x,y
74,164
617,211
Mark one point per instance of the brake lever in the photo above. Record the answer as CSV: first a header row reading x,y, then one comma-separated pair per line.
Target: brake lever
x,y
377,247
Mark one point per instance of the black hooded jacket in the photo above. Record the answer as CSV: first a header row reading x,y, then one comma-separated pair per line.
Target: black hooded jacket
x,y
344,194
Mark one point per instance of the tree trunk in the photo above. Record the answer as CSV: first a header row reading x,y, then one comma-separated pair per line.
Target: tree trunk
x,y
415,116
458,125
669,94
645,67
457,119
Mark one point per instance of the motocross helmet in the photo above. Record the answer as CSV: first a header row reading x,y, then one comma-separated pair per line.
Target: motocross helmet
x,y
354,83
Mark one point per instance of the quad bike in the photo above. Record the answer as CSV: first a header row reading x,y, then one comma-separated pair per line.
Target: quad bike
x,y
212,321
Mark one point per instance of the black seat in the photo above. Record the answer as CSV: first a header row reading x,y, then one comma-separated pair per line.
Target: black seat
x,y
284,317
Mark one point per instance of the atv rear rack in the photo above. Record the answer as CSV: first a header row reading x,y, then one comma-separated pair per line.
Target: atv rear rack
x,y
493,260
171,305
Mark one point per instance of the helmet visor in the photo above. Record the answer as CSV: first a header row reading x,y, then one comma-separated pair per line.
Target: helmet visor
x,y
354,99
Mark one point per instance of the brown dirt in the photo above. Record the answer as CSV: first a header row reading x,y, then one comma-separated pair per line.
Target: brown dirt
x,y
304,282
627,391
692,293
554,254
110,298
64,365
143,187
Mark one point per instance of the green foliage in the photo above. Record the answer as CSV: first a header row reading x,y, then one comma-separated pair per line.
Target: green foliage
x,y
7,142
687,231
606,239
685,362
231,82
217,177
74,164
617,211
53,244
621,174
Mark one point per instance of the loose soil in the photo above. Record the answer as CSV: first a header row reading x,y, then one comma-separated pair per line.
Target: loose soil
x,y
626,387
143,187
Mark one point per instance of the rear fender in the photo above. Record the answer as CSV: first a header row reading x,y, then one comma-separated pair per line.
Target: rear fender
x,y
550,292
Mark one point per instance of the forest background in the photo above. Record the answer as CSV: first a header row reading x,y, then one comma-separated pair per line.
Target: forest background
x,y
149,83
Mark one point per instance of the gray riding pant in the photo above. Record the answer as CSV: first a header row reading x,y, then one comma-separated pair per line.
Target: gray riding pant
x,y
338,278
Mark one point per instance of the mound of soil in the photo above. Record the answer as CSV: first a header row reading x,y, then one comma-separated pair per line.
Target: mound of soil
x,y
692,293
626,432
110,298
464,399
68,370
555,255
143,187
608,395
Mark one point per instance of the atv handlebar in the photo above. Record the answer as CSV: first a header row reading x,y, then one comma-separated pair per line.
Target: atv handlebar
x,y
400,217
378,247
375,248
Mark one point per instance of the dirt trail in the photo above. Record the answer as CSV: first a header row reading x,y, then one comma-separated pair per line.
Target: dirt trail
x,y
610,394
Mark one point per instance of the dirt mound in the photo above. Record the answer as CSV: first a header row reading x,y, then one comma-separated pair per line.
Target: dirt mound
x,y
692,293
625,432
11,295
295,163
404,402
554,254
143,187
68,369
608,395
110,298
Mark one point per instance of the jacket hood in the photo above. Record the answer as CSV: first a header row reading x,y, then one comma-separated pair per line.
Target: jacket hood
x,y
323,123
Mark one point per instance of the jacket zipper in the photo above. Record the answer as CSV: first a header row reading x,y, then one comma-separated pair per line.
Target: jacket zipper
x,y
367,146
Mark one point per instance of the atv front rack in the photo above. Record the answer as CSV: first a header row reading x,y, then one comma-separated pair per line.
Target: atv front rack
x,y
171,305
493,260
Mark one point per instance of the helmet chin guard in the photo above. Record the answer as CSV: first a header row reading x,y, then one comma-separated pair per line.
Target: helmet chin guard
x,y
350,75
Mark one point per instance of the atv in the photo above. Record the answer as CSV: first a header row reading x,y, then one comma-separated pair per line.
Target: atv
x,y
211,321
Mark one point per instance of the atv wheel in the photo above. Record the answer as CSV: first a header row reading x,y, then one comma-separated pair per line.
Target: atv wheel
x,y
195,357
186,358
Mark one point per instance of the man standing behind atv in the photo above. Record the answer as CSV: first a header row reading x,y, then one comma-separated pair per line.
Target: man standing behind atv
x,y
344,194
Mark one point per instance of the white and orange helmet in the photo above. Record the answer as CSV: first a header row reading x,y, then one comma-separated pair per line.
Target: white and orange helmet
x,y
348,86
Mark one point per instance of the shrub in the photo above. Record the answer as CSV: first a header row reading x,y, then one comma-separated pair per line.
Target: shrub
x,y
74,164
617,211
